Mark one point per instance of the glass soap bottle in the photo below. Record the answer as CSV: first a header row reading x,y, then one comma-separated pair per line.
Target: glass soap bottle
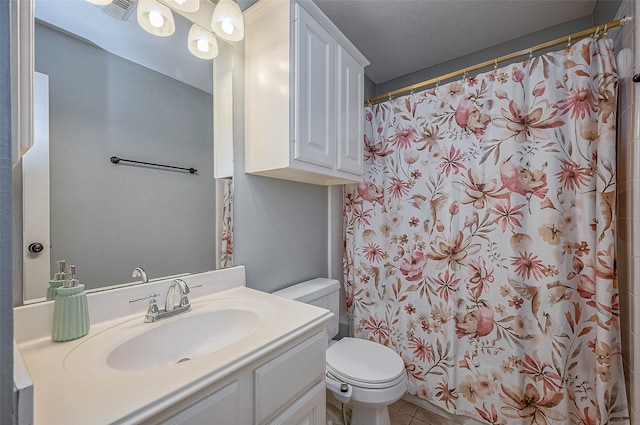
x,y
57,280
70,310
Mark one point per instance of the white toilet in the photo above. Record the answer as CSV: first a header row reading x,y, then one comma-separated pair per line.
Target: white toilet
x,y
374,374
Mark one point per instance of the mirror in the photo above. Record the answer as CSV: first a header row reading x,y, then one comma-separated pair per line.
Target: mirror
x,y
115,90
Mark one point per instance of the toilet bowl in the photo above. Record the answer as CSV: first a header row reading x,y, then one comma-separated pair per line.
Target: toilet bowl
x,y
375,373
366,375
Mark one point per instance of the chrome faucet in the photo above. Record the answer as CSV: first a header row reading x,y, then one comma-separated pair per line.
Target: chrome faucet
x,y
139,272
176,302
177,296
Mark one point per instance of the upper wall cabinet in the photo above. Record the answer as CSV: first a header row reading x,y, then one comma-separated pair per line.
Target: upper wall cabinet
x,y
304,95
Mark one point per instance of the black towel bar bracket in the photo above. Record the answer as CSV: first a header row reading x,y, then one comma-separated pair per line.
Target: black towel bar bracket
x,y
116,160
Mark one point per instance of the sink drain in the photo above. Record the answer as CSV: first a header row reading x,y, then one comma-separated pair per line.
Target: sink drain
x,y
186,359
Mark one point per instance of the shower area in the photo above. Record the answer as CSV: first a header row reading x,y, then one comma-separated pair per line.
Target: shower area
x,y
490,245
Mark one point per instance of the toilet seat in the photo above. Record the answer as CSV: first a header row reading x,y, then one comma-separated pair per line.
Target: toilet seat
x,y
364,364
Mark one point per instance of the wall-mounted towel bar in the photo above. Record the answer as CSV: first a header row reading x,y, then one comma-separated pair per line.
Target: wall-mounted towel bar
x,y
116,160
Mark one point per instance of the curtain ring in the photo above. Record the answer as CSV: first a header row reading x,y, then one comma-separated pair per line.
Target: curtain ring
x,y
412,91
604,32
369,102
530,53
495,65
464,74
437,83
596,34
389,96
569,42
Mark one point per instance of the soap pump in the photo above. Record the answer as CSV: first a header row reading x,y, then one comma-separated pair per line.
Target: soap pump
x,y
57,280
70,310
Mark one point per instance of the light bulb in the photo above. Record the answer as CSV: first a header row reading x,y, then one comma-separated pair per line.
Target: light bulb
x,y
155,19
202,45
227,21
227,27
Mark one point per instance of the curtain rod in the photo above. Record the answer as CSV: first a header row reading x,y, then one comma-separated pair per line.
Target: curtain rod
x,y
595,31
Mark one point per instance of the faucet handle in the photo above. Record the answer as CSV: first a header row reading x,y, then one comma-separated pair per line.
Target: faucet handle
x,y
152,310
152,296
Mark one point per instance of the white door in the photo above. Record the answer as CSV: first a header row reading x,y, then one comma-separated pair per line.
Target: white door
x,y
35,197
349,121
314,92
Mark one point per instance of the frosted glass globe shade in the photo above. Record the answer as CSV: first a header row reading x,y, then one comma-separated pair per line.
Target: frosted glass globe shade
x,y
155,18
227,21
202,43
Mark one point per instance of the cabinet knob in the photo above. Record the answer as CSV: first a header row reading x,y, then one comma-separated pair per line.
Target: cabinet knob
x,y
35,247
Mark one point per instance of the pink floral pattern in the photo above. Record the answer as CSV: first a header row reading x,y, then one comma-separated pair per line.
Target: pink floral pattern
x,y
225,247
480,245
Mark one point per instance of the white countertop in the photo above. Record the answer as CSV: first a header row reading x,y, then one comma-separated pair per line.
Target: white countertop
x,y
68,391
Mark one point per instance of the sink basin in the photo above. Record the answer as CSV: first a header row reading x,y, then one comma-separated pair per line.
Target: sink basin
x,y
135,346
182,339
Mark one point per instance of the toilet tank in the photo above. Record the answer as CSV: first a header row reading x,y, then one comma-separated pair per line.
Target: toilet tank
x,y
320,292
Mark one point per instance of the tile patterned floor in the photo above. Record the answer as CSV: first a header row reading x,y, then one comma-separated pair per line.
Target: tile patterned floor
x,y
404,413
401,412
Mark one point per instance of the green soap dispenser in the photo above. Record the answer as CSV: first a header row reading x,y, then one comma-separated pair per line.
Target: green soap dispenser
x,y
57,280
70,310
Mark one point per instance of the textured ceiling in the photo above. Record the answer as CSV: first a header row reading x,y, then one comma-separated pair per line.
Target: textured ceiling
x,y
402,36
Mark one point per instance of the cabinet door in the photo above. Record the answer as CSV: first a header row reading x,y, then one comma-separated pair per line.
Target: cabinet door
x,y
314,92
350,94
221,407
310,409
280,381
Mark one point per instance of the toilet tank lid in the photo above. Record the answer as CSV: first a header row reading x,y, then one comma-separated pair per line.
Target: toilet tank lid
x,y
309,290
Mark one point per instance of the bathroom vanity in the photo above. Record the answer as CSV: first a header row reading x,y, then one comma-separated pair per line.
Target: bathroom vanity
x,y
239,356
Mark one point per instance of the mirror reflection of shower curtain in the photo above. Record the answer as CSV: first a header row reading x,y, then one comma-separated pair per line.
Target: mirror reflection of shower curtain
x,y
481,244
35,192
224,222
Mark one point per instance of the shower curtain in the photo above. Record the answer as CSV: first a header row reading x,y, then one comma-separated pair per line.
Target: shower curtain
x,y
481,244
225,230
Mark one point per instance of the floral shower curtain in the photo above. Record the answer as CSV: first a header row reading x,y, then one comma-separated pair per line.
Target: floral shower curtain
x,y
481,244
225,226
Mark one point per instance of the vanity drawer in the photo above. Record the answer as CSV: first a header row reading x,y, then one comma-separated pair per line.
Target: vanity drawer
x,y
302,366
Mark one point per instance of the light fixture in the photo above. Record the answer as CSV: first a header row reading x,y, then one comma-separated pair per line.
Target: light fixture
x,y
185,5
202,43
227,21
155,18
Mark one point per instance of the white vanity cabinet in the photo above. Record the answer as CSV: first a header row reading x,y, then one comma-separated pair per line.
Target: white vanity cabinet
x,y
284,387
304,95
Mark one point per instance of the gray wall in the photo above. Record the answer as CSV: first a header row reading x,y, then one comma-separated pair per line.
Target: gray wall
x,y
605,11
108,218
6,308
281,230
